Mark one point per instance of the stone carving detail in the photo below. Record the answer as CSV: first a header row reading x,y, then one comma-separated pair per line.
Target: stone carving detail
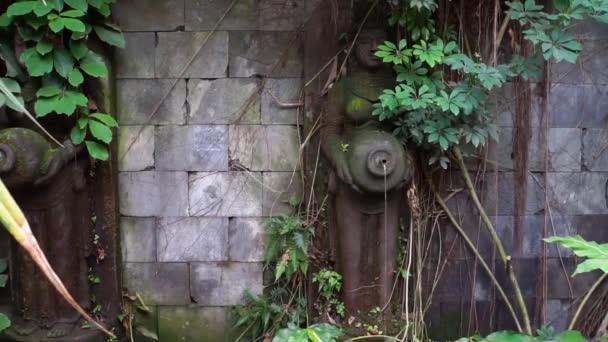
x,y
50,186
370,167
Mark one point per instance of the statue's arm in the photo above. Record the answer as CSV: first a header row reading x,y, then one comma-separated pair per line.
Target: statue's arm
x,y
331,132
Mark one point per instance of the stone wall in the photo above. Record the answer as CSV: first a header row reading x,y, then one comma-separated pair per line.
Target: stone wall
x,y
576,192
206,151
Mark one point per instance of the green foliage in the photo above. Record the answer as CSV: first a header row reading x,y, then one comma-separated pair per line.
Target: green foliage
x,y
596,254
287,245
263,314
316,333
14,88
330,284
439,112
545,335
5,322
57,38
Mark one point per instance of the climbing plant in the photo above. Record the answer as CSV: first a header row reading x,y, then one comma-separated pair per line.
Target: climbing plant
x,y
53,40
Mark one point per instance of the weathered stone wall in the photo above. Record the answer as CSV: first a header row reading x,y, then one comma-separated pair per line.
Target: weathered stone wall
x,y
576,192
206,152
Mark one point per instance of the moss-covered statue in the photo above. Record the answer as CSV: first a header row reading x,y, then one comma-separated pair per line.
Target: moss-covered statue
x,y
370,169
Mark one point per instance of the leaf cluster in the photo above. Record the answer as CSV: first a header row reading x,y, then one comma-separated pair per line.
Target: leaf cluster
x,y
322,332
57,53
510,336
330,285
596,254
287,240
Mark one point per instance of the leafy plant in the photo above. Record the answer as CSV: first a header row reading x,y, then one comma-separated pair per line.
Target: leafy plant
x,y
316,333
264,313
58,54
509,336
5,322
330,284
595,253
287,245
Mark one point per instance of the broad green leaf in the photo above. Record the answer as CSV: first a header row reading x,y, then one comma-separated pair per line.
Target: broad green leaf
x,y
100,131
63,105
73,14
561,5
77,135
83,122
570,336
63,61
97,150
95,70
48,91
21,8
75,78
77,98
11,85
43,47
58,4
78,4
74,25
56,25
597,254
106,119
42,9
5,20
5,322
78,49
114,38
43,106
38,65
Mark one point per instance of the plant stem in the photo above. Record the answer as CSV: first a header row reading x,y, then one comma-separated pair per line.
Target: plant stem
x,y
585,300
475,251
506,259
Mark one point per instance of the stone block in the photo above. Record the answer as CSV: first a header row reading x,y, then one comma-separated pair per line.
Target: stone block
x,y
143,15
246,240
581,193
264,15
192,148
226,194
192,239
224,284
526,244
158,283
138,239
558,314
153,193
560,271
192,323
272,54
265,148
287,90
136,100
595,153
498,194
136,59
135,148
224,101
505,103
176,49
280,189
583,106
590,227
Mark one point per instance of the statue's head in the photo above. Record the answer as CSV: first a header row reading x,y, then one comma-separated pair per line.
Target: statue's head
x,y
366,46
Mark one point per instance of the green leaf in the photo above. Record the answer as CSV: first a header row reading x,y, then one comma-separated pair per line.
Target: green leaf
x,y
21,8
56,25
75,78
38,65
73,14
78,4
570,336
77,98
58,4
48,91
77,135
106,119
44,106
97,150
94,65
63,105
63,61
114,38
43,47
561,5
5,322
597,254
41,9
78,49
74,25
100,131
11,85
5,20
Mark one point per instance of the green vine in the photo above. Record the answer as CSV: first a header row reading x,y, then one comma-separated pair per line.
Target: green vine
x,y
53,40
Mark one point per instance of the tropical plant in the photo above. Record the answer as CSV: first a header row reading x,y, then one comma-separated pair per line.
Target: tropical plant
x,y
545,335
330,284
596,254
58,55
316,333
287,240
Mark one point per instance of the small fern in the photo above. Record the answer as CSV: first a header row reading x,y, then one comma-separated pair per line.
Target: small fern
x,y
287,245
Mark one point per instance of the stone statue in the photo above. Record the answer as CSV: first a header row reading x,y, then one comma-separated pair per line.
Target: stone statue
x,y
370,167
50,186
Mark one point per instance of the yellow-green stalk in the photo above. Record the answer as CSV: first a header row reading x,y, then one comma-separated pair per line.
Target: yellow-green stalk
x,y
15,222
